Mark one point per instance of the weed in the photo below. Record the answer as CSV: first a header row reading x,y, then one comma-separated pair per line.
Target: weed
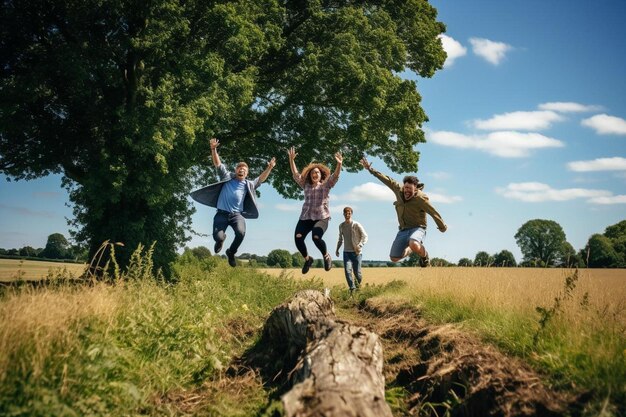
x,y
547,314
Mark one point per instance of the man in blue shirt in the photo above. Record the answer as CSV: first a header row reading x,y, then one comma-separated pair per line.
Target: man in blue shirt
x,y
235,199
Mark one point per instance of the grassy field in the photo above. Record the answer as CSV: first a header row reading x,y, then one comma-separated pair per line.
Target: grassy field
x,y
520,289
12,269
143,347
568,324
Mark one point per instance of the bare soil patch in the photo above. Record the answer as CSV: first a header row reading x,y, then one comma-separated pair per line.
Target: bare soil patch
x,y
447,372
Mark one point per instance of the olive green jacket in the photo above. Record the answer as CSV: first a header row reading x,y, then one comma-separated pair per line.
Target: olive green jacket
x,y
411,213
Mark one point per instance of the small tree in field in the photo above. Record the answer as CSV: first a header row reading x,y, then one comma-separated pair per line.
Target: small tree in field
x,y
504,258
465,262
483,259
56,247
541,240
279,257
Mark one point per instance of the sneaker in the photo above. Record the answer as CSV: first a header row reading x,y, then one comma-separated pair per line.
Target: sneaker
x,y
307,265
327,262
218,246
231,258
425,261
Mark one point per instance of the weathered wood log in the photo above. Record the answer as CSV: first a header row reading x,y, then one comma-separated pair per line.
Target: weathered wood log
x,y
339,366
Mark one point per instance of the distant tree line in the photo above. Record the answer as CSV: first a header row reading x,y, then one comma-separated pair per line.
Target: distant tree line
x,y
57,247
542,242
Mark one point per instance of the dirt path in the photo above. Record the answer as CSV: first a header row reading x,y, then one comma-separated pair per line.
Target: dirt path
x,y
438,370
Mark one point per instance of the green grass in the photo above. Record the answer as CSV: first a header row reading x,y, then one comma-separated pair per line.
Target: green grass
x,y
136,347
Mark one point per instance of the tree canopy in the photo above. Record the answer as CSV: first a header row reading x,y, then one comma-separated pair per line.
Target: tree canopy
x,y
541,240
504,258
122,97
57,247
280,257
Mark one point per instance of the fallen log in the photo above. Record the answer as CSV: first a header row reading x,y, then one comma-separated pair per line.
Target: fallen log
x,y
339,367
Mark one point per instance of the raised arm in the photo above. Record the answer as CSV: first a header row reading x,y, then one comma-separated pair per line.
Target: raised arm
x,y
216,158
339,160
270,165
395,186
292,161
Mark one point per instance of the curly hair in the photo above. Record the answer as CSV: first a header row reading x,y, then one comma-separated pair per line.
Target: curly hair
x,y
306,172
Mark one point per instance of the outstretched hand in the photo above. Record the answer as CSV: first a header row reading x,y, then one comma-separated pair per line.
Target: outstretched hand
x,y
366,164
292,153
271,163
338,157
214,143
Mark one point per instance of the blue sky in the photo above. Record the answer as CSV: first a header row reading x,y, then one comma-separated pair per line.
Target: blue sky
x,y
527,121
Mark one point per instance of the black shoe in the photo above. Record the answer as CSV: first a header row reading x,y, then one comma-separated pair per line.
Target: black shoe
x,y
231,258
327,262
218,247
425,261
307,265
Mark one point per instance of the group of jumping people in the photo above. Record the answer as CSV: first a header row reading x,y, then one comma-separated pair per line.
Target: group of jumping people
x,y
235,199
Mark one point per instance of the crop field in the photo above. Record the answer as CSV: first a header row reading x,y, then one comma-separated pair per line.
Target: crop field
x,y
510,288
12,269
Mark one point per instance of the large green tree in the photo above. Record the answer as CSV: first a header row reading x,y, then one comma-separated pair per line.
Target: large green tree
x,y
121,98
541,240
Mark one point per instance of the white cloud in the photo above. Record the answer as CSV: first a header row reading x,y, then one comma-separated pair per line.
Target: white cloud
x,y
568,107
601,164
614,199
503,144
604,124
371,191
536,192
453,48
493,52
443,199
519,120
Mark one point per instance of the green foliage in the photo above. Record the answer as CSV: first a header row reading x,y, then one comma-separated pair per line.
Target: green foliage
x,y
57,247
297,260
547,314
465,262
607,250
601,253
122,97
279,257
483,259
155,342
440,262
541,240
504,258
412,260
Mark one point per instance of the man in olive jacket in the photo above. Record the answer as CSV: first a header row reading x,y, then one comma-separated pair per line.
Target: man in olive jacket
x,y
234,197
411,207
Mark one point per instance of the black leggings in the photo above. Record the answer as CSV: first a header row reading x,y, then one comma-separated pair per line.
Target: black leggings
x,y
304,227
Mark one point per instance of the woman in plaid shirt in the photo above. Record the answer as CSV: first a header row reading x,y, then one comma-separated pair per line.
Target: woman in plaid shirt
x,y
316,181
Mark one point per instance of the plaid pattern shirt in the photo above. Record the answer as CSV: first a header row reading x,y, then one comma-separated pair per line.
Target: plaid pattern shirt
x,y
315,205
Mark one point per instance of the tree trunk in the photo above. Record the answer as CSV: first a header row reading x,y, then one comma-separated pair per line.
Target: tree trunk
x,y
339,366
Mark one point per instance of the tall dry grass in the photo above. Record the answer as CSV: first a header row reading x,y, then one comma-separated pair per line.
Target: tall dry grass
x,y
575,332
33,321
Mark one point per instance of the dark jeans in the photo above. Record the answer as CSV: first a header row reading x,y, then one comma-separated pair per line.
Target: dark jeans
x,y
222,220
352,261
304,227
